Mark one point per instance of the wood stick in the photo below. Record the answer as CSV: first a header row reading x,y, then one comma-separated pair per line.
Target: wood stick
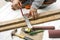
x,y
42,15
23,24
43,27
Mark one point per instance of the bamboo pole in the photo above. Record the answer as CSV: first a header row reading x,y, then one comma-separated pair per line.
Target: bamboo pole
x,y
23,24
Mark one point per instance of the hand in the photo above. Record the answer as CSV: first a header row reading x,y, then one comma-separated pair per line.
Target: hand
x,y
16,4
33,13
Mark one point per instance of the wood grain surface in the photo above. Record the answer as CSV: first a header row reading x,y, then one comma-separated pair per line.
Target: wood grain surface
x,y
17,23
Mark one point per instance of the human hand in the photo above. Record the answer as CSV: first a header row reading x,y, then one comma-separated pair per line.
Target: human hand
x,y
33,13
16,4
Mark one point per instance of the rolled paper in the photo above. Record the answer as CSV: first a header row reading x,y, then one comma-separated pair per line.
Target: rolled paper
x,y
54,33
43,28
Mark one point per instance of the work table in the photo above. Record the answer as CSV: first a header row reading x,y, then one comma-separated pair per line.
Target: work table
x,y
6,13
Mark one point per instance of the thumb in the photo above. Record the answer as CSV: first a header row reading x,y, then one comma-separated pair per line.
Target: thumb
x,y
20,4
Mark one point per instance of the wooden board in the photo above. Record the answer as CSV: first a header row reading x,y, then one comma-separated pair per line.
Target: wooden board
x,y
23,24
42,15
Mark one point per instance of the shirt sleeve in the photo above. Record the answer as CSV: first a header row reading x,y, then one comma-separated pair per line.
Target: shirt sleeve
x,y
36,4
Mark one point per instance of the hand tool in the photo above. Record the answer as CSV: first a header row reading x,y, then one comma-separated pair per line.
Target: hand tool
x,y
27,21
35,32
30,26
20,35
38,29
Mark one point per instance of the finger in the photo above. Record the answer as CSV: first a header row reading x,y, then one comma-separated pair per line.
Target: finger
x,y
19,5
33,15
29,14
14,7
36,15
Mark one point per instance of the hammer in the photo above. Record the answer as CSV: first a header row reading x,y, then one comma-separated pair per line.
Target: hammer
x,y
20,36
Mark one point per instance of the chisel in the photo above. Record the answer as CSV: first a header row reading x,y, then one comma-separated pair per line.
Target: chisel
x,y
27,22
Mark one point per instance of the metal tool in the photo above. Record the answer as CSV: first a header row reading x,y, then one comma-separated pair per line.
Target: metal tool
x,y
27,22
19,35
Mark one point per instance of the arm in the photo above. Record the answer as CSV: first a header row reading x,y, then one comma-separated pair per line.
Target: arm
x,y
37,3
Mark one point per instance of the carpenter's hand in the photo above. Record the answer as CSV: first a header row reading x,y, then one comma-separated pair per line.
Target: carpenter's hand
x,y
33,13
16,4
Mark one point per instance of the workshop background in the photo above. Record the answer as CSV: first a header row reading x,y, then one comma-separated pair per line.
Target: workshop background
x,y
6,13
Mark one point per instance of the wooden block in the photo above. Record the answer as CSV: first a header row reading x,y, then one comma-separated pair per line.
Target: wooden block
x,y
33,22
42,15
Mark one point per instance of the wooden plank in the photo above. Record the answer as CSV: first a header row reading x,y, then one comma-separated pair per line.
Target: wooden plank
x,y
23,24
44,14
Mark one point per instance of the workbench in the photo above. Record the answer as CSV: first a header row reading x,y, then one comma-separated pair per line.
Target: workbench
x,y
6,13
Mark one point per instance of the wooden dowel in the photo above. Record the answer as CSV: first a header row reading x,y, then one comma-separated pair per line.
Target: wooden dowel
x,y
43,28
23,24
42,15
54,33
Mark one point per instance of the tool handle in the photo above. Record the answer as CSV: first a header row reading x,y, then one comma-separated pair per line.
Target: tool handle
x,y
21,10
36,32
